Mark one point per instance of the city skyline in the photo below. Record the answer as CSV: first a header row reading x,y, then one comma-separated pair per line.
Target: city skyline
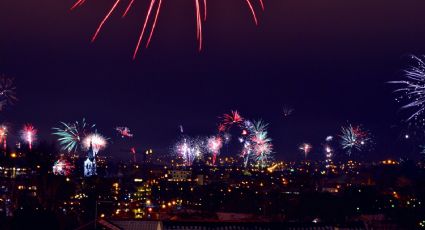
x,y
212,114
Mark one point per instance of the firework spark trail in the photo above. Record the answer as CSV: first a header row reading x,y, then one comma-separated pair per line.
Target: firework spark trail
x,y
154,23
261,4
127,9
205,10
77,4
247,151
254,15
105,19
139,42
198,24
199,17
200,13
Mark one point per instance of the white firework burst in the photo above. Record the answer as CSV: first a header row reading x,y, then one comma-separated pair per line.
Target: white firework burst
x,y
412,89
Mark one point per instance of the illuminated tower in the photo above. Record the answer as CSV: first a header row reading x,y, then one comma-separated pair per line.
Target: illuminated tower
x,y
90,163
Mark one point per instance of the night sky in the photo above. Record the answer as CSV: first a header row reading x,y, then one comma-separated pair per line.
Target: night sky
x,y
330,60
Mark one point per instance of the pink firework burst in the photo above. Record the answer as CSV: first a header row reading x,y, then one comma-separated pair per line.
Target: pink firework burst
x,y
214,146
263,147
29,134
152,15
95,141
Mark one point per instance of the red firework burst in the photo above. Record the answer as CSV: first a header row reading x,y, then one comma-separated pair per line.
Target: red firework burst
x,y
152,15
232,118
359,133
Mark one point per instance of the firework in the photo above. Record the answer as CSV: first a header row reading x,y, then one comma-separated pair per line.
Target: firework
x,y
183,150
152,15
305,148
3,136
412,89
62,167
262,145
329,138
410,130
124,132
70,135
133,152
257,126
287,111
95,141
189,149
214,146
227,138
327,148
354,138
328,151
29,134
222,128
234,118
228,120
7,91
256,145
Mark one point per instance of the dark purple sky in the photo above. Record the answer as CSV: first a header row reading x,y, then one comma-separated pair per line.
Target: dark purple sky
x,y
328,59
